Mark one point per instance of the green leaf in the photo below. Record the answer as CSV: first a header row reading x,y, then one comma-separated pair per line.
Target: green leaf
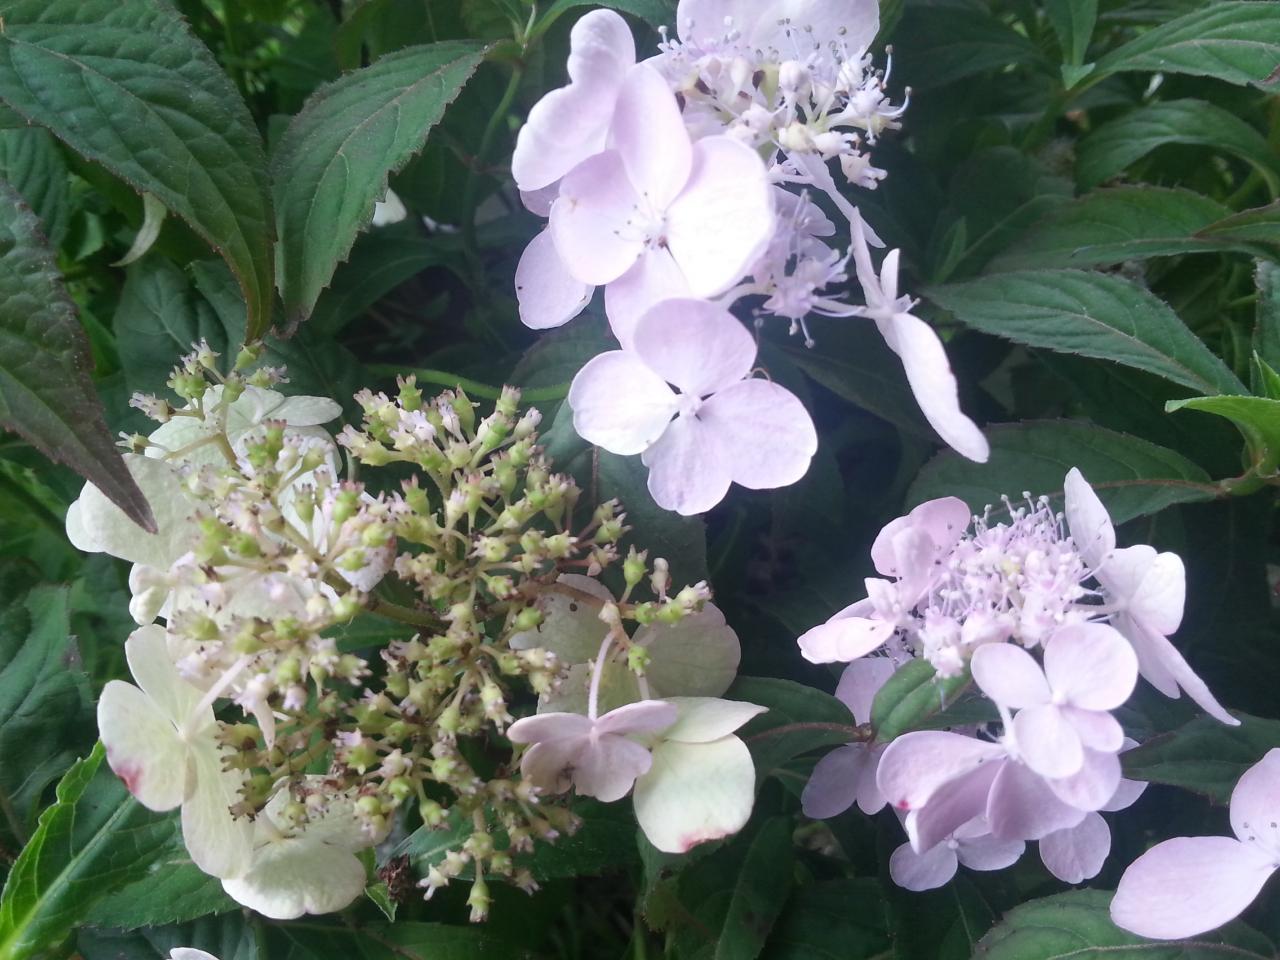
x,y
1259,225
126,84
1257,417
800,719
656,13
1233,40
1112,147
759,891
174,891
93,840
45,390
1111,226
334,159
31,161
832,920
1091,314
1078,925
399,941
910,697
1204,756
44,705
1073,22
938,45
1132,477
1266,330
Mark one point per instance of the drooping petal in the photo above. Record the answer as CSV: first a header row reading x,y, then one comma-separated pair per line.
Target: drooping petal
x,y
1163,665
1021,806
647,716
147,653
860,683
1188,885
1077,854
922,871
548,293
1093,785
1152,586
695,792
1047,742
831,789
696,657
1090,665
571,627
292,876
220,844
1009,675
839,641
609,766
952,806
697,345
143,747
688,472
1255,805
593,222
764,430
549,726
917,764
703,719
620,404
652,279
1088,520
650,136
985,852
934,385
723,219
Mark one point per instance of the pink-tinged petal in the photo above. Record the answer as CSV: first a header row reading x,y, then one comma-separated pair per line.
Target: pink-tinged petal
x,y
548,293
1077,854
986,852
695,792
951,807
549,726
943,520
934,385
1126,795
620,404
570,124
831,789
1166,669
1047,742
1255,805
1021,806
1097,730
654,278
1091,666
1088,520
1093,785
860,683
688,472
695,344
608,767
723,219
549,764
594,221
143,748
1189,885
220,844
647,716
916,765
922,871
764,430
839,641
538,202
1010,676
703,719
649,134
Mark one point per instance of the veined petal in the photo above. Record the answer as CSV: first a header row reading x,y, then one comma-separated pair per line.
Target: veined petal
x,y
922,871
593,222
952,806
916,765
143,747
839,641
620,404
649,134
697,345
220,844
688,471
702,719
1077,854
695,792
766,433
1090,665
1088,520
1021,806
1255,805
608,767
654,278
1010,676
548,293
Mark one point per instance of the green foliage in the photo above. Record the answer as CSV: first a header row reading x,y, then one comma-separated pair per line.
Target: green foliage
x,y
1204,755
911,696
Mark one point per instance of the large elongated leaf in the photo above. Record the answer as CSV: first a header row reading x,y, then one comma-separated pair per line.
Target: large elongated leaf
x,y
45,391
759,892
1233,40
1092,314
94,839
125,83
399,941
1257,225
940,44
1133,477
1204,755
32,163
1073,22
1112,147
1257,417
333,162
1110,226
799,719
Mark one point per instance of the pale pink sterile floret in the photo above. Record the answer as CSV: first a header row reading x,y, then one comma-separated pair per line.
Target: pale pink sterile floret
x,y
1089,669
593,755
971,845
1145,591
717,427
1188,885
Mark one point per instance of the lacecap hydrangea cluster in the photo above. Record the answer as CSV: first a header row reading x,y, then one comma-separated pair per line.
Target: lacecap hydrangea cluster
x,y
323,654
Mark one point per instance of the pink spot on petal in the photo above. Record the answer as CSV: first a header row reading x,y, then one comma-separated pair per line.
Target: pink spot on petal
x,y
130,773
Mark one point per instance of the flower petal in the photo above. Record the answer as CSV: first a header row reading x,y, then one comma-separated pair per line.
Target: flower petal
x,y
647,716
1187,886
916,765
549,764
1167,670
549,726
1090,665
147,653
1009,675
831,789
1088,520
723,219
571,627
650,136
1047,742
765,431
652,279
860,683
548,293
1021,806
696,657
1255,804
143,747
695,792
696,345
839,641
1097,730
293,876
620,404
608,767
922,871
952,806
591,222
98,526
220,844
688,472
1093,785
944,521
985,852
1077,854
702,719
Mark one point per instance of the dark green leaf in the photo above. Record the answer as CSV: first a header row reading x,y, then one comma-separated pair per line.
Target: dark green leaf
x,y
910,697
656,13
1205,755
1078,925
1133,477
800,719
332,164
1266,331
832,920
126,84
1091,314
1112,147
1257,417
174,891
1233,40
938,45
1259,225
399,941
1073,22
45,391
31,161
759,892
